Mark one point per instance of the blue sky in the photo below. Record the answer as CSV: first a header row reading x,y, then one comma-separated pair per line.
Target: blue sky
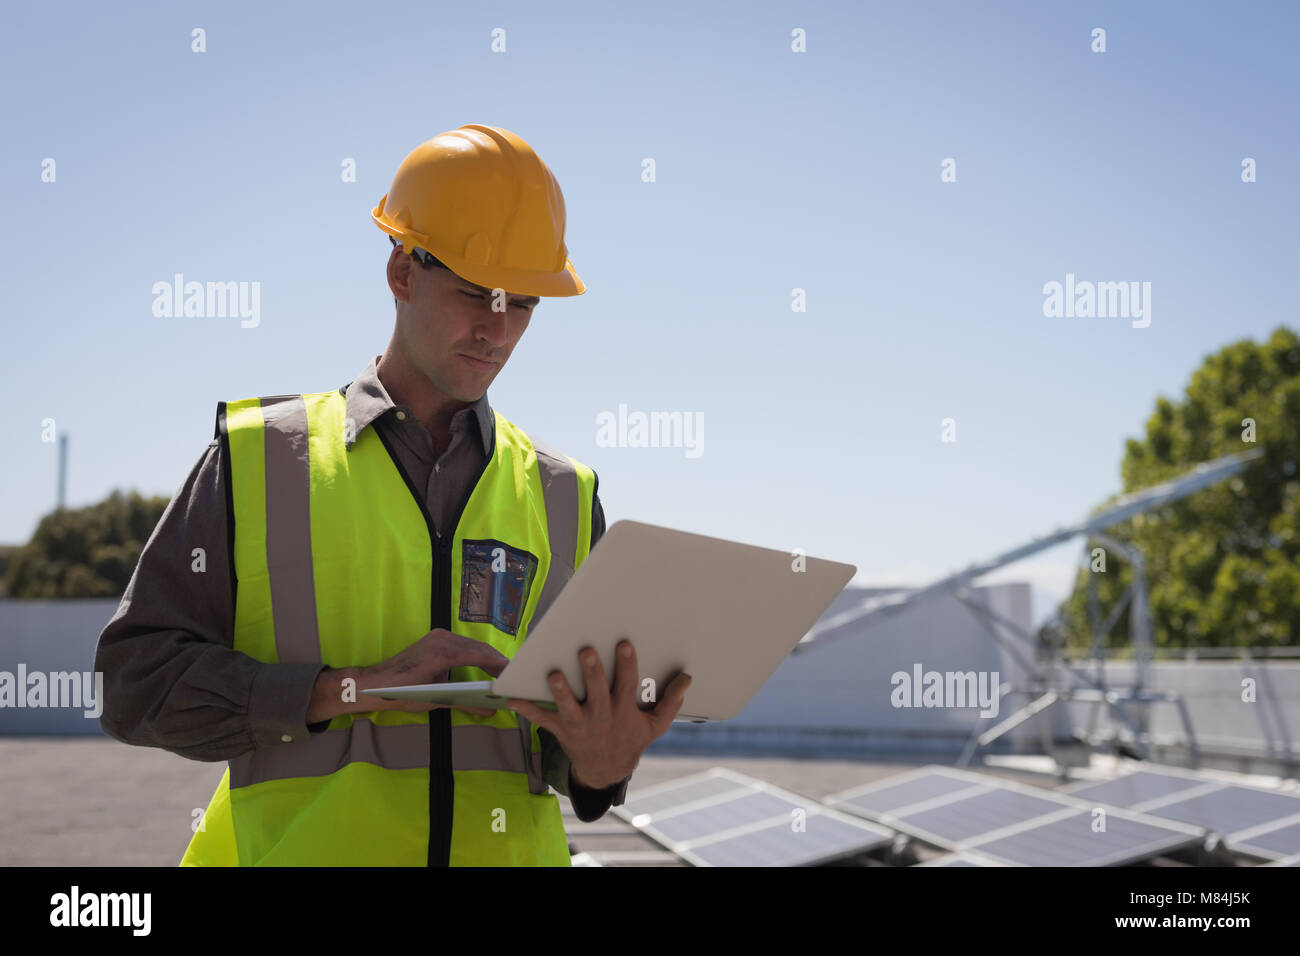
x,y
775,170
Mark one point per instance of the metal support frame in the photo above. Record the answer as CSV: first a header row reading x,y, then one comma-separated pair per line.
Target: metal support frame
x,y
1047,690
1043,689
1044,694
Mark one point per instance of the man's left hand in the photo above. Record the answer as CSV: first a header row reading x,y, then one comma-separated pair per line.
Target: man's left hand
x,y
605,735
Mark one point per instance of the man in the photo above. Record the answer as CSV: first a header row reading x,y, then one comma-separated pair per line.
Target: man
x,y
394,531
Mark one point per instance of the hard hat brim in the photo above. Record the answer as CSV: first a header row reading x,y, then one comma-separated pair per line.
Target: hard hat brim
x,y
566,282
516,281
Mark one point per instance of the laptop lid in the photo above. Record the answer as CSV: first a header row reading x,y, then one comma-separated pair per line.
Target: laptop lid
x,y
724,612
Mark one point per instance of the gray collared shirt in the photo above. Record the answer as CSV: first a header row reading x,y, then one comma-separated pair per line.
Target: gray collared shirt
x,y
172,678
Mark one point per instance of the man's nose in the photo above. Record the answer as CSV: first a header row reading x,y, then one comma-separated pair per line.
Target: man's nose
x,y
493,328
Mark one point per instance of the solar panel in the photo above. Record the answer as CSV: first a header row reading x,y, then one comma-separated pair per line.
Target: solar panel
x,y
1072,841
1134,788
678,792
1280,841
1230,808
824,838
895,793
1021,825
1251,820
722,818
746,809
982,812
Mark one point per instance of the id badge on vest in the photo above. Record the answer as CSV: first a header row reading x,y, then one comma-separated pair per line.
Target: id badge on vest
x,y
496,580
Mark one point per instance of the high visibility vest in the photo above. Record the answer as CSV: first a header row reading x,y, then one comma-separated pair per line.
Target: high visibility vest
x,y
338,562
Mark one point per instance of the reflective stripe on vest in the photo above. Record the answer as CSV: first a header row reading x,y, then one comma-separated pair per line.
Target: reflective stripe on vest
x,y
340,571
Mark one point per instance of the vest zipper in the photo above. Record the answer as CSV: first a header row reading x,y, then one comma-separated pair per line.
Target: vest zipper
x,y
442,790
442,803
442,795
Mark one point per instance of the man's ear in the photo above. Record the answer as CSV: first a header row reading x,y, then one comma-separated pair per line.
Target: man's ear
x,y
399,271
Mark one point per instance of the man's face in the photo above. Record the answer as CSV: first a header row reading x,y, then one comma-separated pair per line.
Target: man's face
x,y
445,323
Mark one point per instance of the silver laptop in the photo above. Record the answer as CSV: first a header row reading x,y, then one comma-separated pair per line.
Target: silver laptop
x,y
726,613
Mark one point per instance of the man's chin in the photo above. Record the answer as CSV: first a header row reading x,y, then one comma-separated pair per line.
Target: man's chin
x,y
462,388
470,395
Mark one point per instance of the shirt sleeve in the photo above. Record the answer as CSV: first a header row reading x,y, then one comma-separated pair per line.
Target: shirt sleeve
x,y
172,678
588,804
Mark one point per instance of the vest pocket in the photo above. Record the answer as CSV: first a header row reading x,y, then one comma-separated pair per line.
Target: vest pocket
x,y
495,583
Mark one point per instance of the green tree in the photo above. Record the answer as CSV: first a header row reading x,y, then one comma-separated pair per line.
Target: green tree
x,y
85,552
1221,563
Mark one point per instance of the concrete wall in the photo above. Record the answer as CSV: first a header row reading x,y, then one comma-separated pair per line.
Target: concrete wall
x,y
1223,723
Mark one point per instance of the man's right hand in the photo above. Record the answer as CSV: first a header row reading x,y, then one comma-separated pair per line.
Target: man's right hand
x,y
427,661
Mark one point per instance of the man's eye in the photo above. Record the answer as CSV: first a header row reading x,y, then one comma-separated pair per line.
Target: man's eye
x,y
480,296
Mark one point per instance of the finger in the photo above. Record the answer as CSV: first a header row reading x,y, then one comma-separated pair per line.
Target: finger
x,y
545,719
472,653
568,705
481,711
597,683
491,660
625,674
670,703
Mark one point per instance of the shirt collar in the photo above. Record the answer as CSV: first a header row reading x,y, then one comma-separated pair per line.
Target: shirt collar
x,y
367,399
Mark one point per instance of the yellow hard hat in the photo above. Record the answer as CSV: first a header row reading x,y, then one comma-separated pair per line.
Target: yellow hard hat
x,y
480,200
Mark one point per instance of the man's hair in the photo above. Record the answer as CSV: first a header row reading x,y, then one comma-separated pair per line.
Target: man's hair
x,y
427,260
